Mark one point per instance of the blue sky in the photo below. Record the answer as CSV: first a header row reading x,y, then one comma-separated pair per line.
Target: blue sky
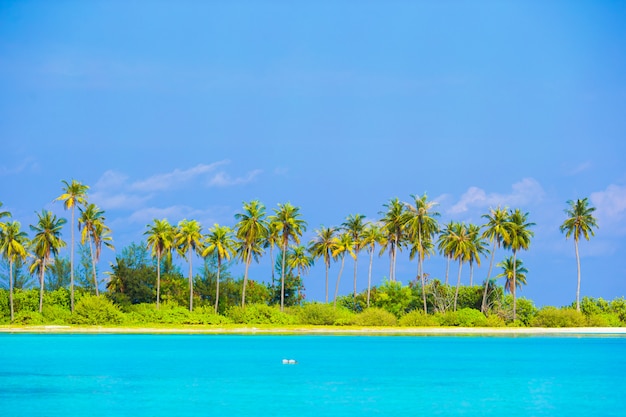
x,y
187,109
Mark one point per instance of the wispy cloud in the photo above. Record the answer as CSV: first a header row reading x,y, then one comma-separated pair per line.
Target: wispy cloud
x,y
524,192
174,178
222,179
582,167
27,164
611,208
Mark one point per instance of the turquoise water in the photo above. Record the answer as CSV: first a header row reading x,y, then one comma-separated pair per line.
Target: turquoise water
x,y
228,375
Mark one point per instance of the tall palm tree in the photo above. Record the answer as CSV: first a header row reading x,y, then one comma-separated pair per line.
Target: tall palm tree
x,y
322,246
46,243
519,235
13,243
298,259
444,245
251,228
74,193
290,227
270,241
343,245
394,221
219,242
514,272
421,226
354,226
579,222
478,249
188,239
460,247
160,240
92,228
372,236
496,231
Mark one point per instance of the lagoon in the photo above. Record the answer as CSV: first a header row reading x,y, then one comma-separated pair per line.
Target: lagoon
x,y
244,375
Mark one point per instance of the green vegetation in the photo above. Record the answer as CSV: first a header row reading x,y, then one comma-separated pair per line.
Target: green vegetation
x,y
145,287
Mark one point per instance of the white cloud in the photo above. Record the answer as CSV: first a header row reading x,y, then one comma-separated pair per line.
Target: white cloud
x,y
27,164
611,208
222,179
175,178
524,192
584,166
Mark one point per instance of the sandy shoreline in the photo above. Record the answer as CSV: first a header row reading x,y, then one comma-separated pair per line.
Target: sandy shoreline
x,y
251,330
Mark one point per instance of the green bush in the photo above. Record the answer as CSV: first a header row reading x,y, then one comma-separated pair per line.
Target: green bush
x,y
319,314
96,311
26,300
465,317
259,314
494,320
618,306
375,316
604,320
553,317
59,297
526,310
417,319
393,297
56,314
28,317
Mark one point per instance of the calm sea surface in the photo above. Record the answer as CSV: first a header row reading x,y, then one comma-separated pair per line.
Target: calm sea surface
x,y
215,375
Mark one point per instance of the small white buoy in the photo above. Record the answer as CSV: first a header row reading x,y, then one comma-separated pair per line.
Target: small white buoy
x,y
289,362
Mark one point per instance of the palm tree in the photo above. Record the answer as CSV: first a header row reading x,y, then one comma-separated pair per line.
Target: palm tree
x,y
477,249
290,227
92,228
74,193
394,220
298,259
514,272
372,236
13,243
422,227
322,246
343,244
580,222
459,246
355,226
188,239
269,242
46,243
251,229
219,242
3,214
444,245
160,241
519,235
496,231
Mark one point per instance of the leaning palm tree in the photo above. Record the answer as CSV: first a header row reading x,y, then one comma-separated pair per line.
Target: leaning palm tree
x,y
290,227
394,221
355,226
580,222
322,246
372,236
160,241
421,227
343,245
496,231
188,239
92,228
251,229
46,243
13,244
74,193
519,235
220,243
514,272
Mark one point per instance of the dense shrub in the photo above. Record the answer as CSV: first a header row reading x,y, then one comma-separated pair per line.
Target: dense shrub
x,y
494,320
375,316
259,314
26,300
96,310
417,319
56,314
465,317
604,320
553,317
393,297
28,317
525,312
317,314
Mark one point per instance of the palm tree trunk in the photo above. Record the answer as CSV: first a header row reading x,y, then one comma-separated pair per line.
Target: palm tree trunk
x,y
514,285
356,258
190,281
327,263
93,268
483,306
282,278
471,274
421,272
217,283
395,255
458,284
343,258
245,278
41,284
578,267
369,276
72,263
448,268
272,262
11,287
158,294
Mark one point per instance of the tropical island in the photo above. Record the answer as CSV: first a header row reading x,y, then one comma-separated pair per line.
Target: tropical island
x,y
146,289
